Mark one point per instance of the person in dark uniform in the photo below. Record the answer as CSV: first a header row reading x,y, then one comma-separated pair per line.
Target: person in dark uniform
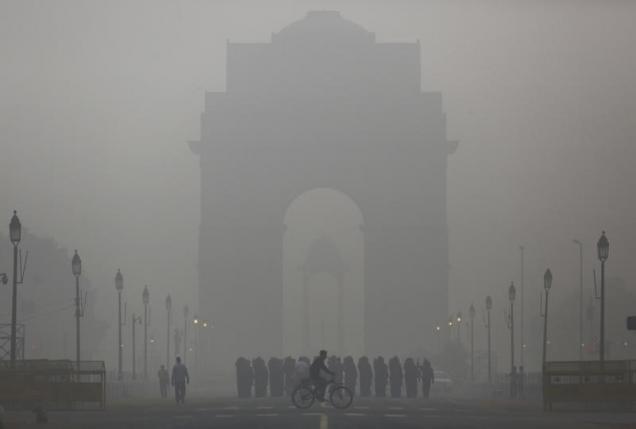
x,y
428,377
410,378
289,367
366,374
395,376
381,376
260,377
240,377
276,377
315,374
350,374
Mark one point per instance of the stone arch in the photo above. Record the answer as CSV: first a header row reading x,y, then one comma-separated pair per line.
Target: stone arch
x,y
323,274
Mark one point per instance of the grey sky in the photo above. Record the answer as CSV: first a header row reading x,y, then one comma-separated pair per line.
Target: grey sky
x,y
98,100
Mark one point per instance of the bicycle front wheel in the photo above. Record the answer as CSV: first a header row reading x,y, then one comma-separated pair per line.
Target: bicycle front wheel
x,y
341,397
303,397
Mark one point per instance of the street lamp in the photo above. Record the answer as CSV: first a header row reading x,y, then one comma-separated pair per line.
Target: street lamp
x,y
76,266
15,234
471,312
168,312
119,285
438,330
580,245
603,253
488,308
135,321
186,318
459,324
512,292
145,296
547,284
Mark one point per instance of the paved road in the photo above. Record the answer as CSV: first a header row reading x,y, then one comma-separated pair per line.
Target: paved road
x,y
372,414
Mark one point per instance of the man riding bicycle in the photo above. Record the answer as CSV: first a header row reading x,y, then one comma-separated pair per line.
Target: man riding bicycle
x,y
315,374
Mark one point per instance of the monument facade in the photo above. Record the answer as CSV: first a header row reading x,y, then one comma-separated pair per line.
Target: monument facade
x,y
322,106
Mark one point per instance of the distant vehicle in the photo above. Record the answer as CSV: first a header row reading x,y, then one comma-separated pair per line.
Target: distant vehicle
x,y
443,383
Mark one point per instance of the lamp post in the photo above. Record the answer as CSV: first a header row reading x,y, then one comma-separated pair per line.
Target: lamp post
x,y
603,252
135,321
578,243
119,285
459,325
512,292
195,322
547,284
186,316
76,266
146,300
522,344
471,312
450,329
488,308
439,340
589,314
168,313
15,234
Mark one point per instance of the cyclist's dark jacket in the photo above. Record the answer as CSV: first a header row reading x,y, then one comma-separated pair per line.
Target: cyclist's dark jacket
x,y
317,366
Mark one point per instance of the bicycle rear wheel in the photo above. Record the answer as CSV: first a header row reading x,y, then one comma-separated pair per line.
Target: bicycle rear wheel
x,y
303,397
341,397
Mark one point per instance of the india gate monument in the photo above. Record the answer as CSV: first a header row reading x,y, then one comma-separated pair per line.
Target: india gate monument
x,y
322,107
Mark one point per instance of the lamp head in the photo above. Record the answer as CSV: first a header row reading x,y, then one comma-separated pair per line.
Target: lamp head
x,y
168,303
547,279
145,295
603,248
76,265
119,281
512,292
15,229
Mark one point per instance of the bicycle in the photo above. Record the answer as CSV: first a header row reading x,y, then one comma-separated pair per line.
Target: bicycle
x,y
305,394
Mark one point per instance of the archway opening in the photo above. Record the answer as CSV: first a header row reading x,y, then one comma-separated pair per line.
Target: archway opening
x,y
323,275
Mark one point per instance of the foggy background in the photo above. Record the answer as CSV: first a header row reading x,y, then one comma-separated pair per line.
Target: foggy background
x,y
98,100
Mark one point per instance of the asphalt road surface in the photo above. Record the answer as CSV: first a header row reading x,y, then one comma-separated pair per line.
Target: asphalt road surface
x,y
371,414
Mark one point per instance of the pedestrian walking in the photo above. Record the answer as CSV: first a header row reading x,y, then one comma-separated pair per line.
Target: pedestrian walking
x,y
180,378
164,379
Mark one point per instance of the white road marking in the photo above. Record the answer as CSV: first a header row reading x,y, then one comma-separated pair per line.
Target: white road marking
x,y
428,409
361,407
396,408
264,407
267,415
355,414
395,415
312,414
324,422
224,416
